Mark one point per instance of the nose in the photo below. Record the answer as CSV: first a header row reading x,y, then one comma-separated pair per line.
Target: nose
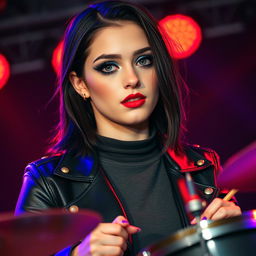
x,y
131,78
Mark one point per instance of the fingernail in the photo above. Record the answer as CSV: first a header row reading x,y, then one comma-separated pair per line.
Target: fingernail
x,y
204,218
124,221
138,230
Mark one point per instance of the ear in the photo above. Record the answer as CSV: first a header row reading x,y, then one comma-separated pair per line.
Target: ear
x,y
79,85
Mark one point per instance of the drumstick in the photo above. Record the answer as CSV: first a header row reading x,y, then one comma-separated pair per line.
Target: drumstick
x,y
230,194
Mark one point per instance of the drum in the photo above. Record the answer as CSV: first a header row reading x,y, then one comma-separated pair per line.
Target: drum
x,y
234,236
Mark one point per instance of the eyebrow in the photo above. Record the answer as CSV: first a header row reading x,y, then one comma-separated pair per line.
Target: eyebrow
x,y
118,56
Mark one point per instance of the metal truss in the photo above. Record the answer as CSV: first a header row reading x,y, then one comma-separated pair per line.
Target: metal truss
x,y
221,17
28,40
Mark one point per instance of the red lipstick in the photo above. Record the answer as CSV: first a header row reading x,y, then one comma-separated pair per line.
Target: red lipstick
x,y
134,100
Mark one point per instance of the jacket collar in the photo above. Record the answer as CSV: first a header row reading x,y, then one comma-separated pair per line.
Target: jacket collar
x,y
189,160
85,168
80,168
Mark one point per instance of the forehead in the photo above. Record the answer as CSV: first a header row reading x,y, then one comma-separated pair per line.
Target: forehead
x,y
125,37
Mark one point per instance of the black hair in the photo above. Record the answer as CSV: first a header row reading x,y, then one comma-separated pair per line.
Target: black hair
x,y
76,131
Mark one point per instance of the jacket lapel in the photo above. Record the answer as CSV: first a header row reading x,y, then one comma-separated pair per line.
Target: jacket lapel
x,y
189,160
77,168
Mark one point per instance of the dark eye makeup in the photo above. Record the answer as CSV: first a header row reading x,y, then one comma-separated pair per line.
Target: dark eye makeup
x,y
145,60
109,67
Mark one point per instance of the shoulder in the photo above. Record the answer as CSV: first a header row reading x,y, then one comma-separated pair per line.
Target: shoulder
x,y
194,158
199,148
203,150
207,153
44,161
45,165
65,165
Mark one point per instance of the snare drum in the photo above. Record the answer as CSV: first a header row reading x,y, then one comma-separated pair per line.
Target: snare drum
x,y
234,236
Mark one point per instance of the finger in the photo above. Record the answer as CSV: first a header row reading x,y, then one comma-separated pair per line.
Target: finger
x,y
226,212
113,229
121,220
124,223
213,207
132,229
113,240
107,250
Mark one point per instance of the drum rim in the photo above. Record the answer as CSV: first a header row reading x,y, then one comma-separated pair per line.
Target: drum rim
x,y
180,239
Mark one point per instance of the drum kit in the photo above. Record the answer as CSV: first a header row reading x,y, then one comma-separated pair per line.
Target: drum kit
x,y
50,231
234,236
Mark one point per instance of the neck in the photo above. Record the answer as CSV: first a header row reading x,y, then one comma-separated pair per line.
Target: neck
x,y
125,133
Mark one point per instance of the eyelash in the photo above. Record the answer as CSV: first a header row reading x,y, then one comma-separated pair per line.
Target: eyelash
x,y
146,57
104,65
107,64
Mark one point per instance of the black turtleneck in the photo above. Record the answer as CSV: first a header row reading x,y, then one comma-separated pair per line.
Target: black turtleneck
x,y
137,171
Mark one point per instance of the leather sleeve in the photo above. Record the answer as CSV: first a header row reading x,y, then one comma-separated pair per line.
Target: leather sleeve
x,y
35,194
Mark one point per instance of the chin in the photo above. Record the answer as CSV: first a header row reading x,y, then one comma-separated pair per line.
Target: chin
x,y
137,123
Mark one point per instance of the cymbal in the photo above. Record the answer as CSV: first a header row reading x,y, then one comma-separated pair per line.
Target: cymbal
x,y
45,233
240,170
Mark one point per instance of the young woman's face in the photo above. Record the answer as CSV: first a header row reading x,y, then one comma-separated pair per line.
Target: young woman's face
x,y
120,79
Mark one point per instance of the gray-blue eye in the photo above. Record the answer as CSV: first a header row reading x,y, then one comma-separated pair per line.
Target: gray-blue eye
x,y
107,67
145,61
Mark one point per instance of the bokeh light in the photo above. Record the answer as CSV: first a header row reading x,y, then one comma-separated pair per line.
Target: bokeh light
x,y
57,57
4,71
184,33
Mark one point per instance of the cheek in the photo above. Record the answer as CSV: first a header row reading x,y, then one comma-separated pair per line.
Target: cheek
x,y
97,86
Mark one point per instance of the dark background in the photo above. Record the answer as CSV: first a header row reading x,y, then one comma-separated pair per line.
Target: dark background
x,y
221,76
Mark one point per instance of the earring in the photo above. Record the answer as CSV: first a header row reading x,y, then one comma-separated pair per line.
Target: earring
x,y
84,96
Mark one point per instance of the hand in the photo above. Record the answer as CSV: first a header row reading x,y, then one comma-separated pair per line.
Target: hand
x,y
107,239
220,209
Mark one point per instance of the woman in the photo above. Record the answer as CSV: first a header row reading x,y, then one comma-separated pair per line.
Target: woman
x,y
118,148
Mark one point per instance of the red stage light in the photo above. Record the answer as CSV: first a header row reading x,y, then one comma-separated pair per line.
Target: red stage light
x,y
57,57
4,71
3,4
254,214
185,35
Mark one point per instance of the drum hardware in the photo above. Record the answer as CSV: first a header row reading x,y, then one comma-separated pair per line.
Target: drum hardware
x,y
234,236
194,206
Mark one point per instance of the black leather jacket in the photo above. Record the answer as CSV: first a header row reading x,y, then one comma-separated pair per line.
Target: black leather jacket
x,y
64,181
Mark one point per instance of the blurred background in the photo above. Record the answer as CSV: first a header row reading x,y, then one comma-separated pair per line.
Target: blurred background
x,y
221,75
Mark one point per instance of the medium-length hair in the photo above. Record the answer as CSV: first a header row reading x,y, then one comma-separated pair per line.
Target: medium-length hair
x,y
76,131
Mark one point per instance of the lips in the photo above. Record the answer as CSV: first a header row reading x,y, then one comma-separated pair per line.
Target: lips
x,y
134,100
